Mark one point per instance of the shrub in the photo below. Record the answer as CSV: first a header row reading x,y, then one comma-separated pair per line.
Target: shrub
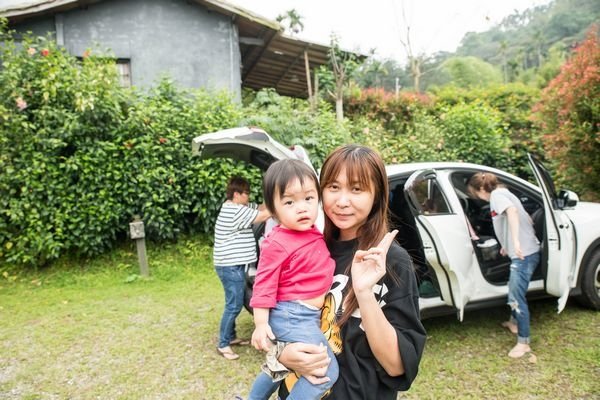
x,y
58,119
396,113
569,118
80,155
463,132
371,133
166,182
424,143
512,103
474,133
291,121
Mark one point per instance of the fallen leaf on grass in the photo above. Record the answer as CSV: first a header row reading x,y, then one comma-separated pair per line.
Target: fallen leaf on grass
x,y
532,358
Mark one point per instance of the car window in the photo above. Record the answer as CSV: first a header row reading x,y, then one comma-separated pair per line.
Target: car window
x,y
530,201
430,198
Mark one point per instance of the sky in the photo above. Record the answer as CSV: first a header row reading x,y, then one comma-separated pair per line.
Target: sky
x,y
435,25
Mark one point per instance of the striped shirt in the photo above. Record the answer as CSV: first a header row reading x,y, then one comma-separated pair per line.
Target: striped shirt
x,y
234,240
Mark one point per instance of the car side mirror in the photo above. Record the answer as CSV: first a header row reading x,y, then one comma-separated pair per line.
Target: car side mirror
x,y
567,199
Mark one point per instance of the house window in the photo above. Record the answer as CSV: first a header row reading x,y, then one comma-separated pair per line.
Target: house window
x,y
123,67
124,71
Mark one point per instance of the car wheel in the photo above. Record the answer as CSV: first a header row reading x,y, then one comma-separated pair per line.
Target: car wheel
x,y
590,283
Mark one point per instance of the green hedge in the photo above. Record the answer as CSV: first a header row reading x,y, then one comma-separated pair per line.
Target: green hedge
x,y
291,121
80,156
513,104
463,132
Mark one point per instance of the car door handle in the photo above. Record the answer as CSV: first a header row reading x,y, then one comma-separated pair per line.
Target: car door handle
x,y
561,226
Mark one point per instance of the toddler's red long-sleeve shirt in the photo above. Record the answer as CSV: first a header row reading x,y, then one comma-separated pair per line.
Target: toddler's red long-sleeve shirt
x,y
293,265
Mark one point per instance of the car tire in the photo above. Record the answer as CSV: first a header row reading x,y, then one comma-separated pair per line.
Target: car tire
x,y
590,282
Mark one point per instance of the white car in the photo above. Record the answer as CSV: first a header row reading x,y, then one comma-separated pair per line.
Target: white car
x,y
450,236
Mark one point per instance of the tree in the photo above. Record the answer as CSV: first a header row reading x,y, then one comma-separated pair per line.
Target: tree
x,y
293,21
551,66
538,40
434,75
503,50
294,26
342,65
385,74
414,61
374,72
468,72
533,31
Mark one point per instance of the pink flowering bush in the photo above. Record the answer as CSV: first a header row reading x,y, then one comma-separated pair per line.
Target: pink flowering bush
x,y
396,113
569,118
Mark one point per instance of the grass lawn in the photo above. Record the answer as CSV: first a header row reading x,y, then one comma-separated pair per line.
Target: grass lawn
x,y
93,329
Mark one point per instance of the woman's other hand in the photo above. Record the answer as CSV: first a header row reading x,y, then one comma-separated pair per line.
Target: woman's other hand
x,y
308,360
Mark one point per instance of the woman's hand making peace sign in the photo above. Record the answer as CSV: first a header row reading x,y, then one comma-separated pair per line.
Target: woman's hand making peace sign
x,y
368,266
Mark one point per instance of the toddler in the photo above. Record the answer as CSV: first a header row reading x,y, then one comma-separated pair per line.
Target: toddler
x,y
294,273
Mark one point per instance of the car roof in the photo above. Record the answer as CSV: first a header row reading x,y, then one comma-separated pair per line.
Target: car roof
x,y
405,168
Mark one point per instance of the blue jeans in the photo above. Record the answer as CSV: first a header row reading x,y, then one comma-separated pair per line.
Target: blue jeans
x,y
291,321
232,278
520,275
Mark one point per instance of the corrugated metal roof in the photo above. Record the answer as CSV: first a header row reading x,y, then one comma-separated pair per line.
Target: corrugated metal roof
x,y
270,59
281,64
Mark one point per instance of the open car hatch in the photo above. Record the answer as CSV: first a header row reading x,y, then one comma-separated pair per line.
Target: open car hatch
x,y
249,144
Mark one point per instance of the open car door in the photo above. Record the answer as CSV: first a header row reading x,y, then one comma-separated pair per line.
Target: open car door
x,y
249,144
560,240
444,233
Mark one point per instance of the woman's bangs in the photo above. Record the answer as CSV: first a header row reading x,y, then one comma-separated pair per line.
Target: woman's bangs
x,y
331,169
358,172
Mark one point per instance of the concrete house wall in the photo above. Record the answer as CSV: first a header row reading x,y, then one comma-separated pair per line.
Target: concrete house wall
x,y
196,47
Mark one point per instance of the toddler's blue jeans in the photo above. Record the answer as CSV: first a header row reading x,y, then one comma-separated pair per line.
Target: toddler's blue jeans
x,y
292,321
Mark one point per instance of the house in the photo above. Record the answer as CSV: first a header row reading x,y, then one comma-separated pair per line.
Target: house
x,y
199,43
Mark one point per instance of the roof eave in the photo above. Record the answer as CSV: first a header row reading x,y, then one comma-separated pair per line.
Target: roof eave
x,y
27,10
228,8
